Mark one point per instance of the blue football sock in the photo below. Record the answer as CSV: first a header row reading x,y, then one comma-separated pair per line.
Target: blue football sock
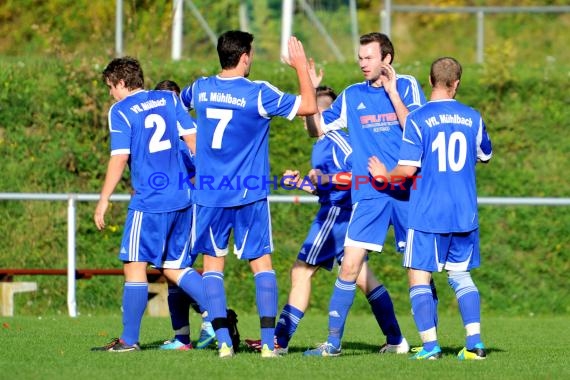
x,y
191,282
472,340
287,324
469,302
135,298
179,306
195,306
423,308
340,303
266,299
216,304
383,309
428,346
435,301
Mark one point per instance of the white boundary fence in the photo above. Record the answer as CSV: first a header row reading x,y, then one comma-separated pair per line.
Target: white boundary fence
x,y
72,200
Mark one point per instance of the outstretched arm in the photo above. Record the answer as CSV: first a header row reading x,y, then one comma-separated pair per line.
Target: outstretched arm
x,y
316,79
378,171
317,177
298,60
312,123
293,178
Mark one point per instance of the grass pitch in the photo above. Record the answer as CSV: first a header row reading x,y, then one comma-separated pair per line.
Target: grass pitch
x,y
58,347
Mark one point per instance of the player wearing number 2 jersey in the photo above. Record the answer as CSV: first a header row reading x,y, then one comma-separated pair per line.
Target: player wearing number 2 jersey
x,y
444,139
145,128
232,174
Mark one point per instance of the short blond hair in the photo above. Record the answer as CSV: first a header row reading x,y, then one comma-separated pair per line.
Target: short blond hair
x,y
445,71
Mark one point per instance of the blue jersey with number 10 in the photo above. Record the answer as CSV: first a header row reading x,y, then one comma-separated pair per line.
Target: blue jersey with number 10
x,y
147,125
444,139
232,141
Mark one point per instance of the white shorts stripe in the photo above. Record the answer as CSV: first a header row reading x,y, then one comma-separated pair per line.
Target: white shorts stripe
x,y
134,238
270,230
323,233
408,251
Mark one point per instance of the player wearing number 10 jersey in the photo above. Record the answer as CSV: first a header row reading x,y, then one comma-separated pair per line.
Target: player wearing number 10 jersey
x,y
444,139
232,170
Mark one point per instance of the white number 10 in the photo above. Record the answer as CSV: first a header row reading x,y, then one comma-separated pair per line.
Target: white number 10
x,y
447,154
224,117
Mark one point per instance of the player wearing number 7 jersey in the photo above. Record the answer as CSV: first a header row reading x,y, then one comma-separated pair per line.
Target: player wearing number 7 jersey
x,y
444,139
232,174
145,128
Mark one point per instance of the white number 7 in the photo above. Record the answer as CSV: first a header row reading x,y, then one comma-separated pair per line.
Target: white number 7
x,y
224,116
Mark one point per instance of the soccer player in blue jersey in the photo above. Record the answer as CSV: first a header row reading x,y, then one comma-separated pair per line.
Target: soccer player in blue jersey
x,y
443,140
145,128
232,180
324,243
179,302
374,112
331,154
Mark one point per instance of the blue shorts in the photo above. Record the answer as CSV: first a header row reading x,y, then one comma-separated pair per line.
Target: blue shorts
x,y
433,252
371,219
160,239
325,240
251,226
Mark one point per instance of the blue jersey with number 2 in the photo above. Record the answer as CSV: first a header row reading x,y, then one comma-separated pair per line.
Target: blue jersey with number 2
x,y
147,125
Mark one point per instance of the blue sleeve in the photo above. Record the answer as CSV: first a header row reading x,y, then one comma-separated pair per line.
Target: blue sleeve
x,y
187,157
411,150
484,146
186,124
335,117
120,129
186,97
341,151
274,102
344,160
411,92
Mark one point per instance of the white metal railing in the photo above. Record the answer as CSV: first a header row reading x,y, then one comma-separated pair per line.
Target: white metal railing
x,y
389,8
72,199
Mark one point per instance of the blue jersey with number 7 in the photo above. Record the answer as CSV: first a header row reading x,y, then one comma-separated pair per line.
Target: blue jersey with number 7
x,y
232,141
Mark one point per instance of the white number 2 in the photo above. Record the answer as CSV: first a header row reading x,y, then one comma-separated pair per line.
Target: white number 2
x,y
446,154
156,143
224,117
